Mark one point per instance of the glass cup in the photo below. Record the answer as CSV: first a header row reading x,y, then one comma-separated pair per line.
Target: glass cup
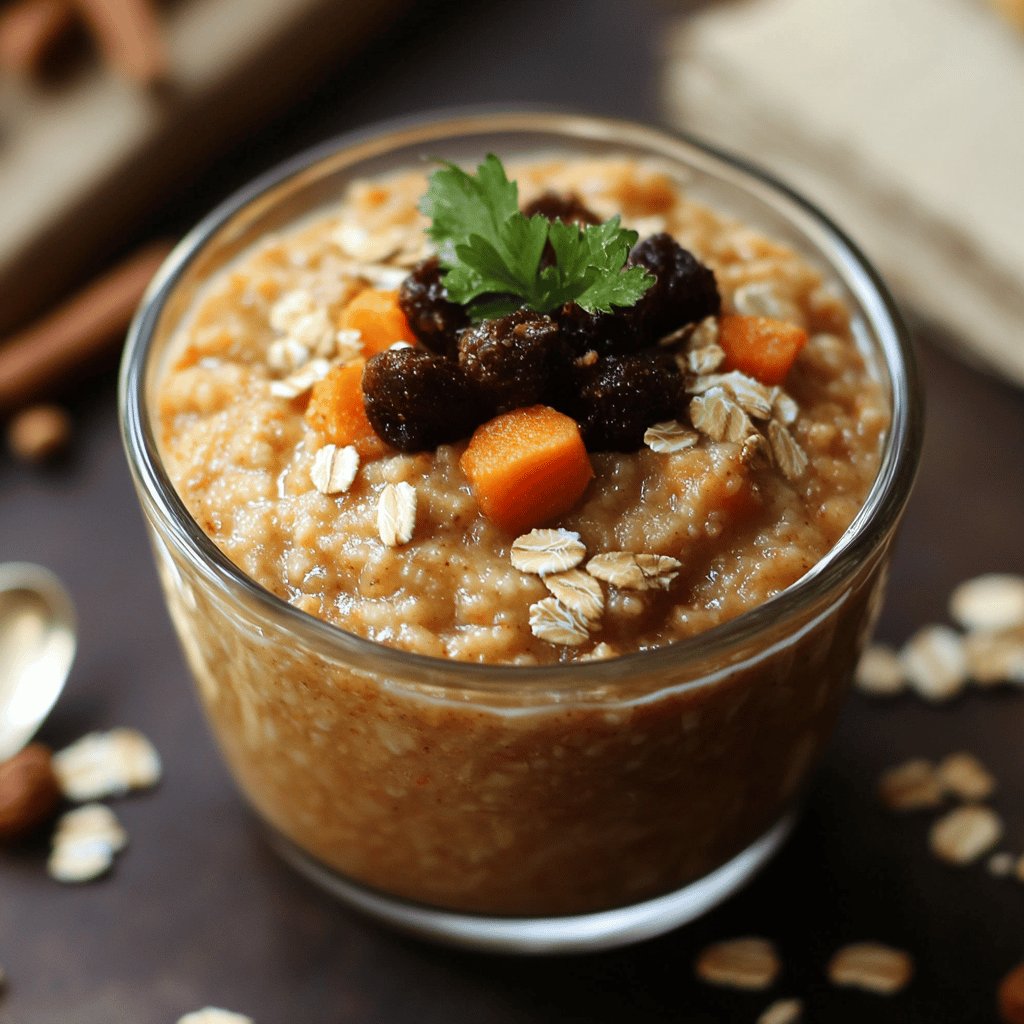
x,y
529,809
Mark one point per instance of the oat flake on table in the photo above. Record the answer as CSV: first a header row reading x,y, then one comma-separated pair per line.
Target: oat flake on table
x,y
935,663
214,1015
103,764
84,844
871,966
747,963
879,672
910,786
782,1011
965,777
991,602
965,834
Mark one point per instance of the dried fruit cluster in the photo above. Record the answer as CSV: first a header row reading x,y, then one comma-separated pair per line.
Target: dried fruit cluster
x,y
602,369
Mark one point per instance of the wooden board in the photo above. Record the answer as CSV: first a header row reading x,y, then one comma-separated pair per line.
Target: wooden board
x,y
79,163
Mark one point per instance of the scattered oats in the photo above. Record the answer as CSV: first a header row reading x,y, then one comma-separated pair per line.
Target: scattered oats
x,y
627,571
784,408
214,1015
910,786
396,514
670,436
705,334
788,455
84,843
880,672
301,381
601,652
716,414
373,247
995,657
334,469
91,824
964,776
79,862
546,551
705,360
871,966
935,663
965,834
104,764
579,592
286,355
380,275
739,963
992,602
759,298
782,1011
348,345
1001,865
289,308
751,395
552,621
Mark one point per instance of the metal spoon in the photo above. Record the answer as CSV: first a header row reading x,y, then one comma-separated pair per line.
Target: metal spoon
x,y
37,647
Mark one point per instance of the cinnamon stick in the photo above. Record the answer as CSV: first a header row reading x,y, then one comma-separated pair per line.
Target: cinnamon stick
x,y
128,33
28,31
84,328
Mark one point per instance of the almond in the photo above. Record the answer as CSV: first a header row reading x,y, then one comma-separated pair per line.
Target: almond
x,y
29,792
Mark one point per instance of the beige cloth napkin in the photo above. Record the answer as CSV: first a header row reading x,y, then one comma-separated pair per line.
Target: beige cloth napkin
x,y
903,119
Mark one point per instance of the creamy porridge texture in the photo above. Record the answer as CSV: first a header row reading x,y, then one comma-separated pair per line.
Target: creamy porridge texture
x,y
743,496
516,799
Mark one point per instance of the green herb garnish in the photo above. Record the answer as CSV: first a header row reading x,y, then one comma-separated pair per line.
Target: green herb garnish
x,y
491,252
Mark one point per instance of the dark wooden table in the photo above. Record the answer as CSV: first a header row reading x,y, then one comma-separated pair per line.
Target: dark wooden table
x,y
199,911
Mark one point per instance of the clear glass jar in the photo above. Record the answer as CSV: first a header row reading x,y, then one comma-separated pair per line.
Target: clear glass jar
x,y
525,809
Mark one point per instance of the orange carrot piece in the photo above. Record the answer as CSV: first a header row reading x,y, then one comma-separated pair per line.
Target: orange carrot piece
x,y
760,346
336,411
378,318
526,467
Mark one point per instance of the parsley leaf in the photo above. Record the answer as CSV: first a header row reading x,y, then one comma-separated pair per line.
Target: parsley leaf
x,y
491,252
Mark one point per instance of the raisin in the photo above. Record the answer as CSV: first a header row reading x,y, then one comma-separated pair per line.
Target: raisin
x,y
434,319
510,358
684,290
617,331
619,396
416,400
557,206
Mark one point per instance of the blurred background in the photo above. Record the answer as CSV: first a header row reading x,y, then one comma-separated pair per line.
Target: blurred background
x,y
122,122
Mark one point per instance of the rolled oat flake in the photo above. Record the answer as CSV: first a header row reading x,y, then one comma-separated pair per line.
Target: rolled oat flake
x,y
935,663
872,967
994,601
965,834
748,963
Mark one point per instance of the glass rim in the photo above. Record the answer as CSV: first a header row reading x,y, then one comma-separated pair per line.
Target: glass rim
x,y
872,524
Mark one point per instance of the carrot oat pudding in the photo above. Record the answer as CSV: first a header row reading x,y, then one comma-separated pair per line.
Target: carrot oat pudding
x,y
379,456
548,419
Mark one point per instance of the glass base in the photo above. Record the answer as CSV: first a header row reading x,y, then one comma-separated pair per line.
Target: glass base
x,y
578,933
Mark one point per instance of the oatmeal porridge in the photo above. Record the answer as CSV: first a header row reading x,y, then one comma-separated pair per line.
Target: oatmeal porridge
x,y
533,487
742,509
